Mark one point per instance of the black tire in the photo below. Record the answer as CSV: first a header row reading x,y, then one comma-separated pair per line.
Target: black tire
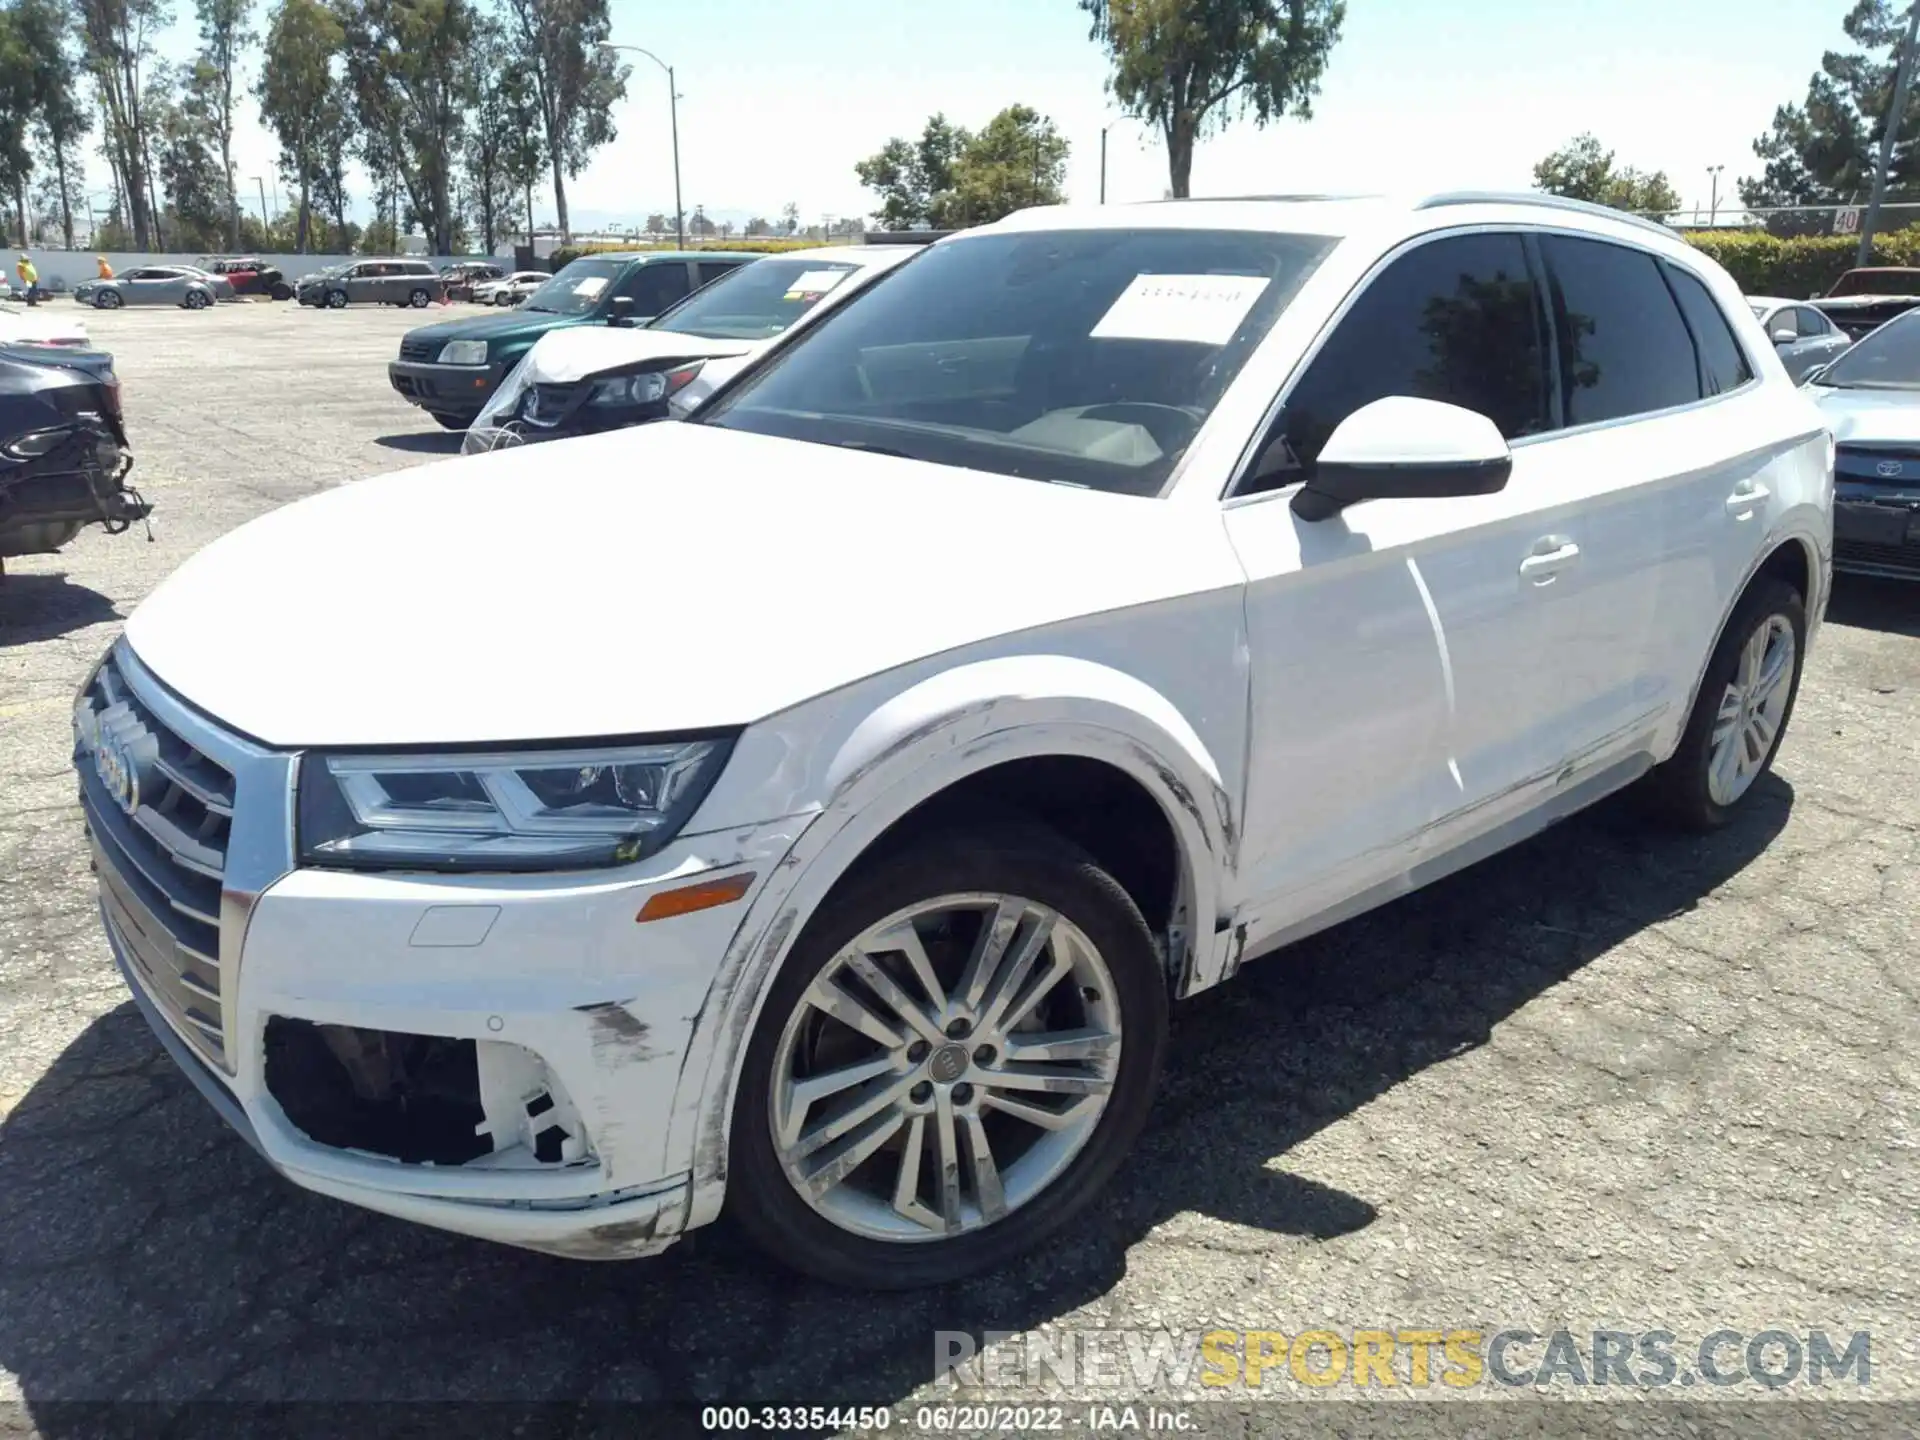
x,y
106,300
281,290
1011,859
1677,792
196,300
419,299
451,422
336,300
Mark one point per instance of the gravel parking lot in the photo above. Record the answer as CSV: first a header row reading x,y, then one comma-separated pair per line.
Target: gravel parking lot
x,y
1611,1080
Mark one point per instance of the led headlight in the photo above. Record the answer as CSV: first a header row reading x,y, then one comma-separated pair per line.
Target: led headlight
x,y
464,352
547,810
649,387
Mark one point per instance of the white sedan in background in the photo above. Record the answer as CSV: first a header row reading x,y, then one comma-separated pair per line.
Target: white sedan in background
x,y
509,289
584,379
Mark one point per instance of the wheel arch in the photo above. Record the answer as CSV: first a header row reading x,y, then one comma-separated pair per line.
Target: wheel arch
x,y
1794,557
974,740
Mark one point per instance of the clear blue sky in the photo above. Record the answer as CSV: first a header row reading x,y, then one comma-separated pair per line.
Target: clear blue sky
x,y
780,97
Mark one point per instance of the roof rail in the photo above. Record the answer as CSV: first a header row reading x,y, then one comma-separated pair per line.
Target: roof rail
x,y
1545,202
904,237
1325,195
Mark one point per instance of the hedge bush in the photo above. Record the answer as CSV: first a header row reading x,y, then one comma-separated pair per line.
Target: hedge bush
x,y
756,246
1802,267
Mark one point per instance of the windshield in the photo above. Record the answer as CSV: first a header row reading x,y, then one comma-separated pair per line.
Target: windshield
x,y
757,301
577,288
1086,357
1877,282
1888,357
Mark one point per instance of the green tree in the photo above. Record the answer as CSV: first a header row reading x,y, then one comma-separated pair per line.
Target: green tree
x,y
1583,170
1191,67
915,180
1018,160
296,76
116,45
504,155
576,83
224,36
17,106
1822,151
40,96
185,159
412,76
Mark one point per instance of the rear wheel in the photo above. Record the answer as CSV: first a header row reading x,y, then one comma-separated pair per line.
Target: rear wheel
x,y
197,300
282,290
1741,714
419,299
953,1062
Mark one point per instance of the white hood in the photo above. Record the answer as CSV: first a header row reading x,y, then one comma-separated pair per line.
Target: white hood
x,y
16,325
574,352
665,578
1869,416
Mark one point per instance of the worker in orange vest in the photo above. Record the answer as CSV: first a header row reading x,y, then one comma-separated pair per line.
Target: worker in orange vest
x,y
106,270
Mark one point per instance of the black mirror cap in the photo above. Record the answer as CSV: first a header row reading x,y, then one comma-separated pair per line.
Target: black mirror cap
x,y
1334,487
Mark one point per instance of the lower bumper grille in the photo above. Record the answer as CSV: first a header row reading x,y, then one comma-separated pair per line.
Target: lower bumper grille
x,y
1882,559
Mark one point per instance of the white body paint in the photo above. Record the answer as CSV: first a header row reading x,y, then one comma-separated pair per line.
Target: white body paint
x,y
1329,714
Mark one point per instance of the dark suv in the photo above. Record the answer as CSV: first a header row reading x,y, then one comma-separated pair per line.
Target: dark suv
x,y
450,369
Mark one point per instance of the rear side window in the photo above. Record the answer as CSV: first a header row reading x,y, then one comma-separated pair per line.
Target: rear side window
x,y
711,270
1457,319
655,287
1624,349
1812,324
1723,365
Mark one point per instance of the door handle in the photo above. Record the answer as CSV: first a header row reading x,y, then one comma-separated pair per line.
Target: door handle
x,y
1550,556
1742,501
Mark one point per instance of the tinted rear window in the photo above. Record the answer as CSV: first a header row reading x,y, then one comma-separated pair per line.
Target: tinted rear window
x,y
1624,349
1723,365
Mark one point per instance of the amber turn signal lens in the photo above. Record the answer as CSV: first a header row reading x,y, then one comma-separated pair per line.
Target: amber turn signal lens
x,y
688,898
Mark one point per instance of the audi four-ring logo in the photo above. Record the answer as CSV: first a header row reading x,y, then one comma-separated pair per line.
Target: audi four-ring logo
x,y
116,770
1890,468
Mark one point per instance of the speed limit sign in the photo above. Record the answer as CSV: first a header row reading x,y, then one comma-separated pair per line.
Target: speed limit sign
x,y
1846,221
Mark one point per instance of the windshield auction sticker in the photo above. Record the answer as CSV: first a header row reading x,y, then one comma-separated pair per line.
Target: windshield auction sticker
x,y
1195,309
590,286
814,283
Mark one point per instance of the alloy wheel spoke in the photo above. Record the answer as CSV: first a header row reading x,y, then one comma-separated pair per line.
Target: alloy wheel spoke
x,y
947,1146
1731,704
856,1112
905,938
850,1157
1045,1080
1022,1005
1032,944
1091,1044
906,1183
996,933
830,999
986,1174
802,1095
903,1004
1038,1114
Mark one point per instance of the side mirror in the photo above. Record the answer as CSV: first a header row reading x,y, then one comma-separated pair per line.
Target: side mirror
x,y
621,310
1785,335
1401,448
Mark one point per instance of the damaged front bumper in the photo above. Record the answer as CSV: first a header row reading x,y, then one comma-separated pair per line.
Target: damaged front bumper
x,y
498,1055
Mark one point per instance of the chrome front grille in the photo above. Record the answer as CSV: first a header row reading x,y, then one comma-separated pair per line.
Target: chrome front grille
x,y
1896,465
159,815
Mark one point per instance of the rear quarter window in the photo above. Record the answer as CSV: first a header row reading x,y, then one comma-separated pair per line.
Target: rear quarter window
x,y
1624,349
1723,364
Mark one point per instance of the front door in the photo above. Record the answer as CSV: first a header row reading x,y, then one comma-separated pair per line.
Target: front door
x,y
1402,680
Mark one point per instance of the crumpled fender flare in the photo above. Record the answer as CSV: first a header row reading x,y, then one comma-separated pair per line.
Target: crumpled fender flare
x,y
911,748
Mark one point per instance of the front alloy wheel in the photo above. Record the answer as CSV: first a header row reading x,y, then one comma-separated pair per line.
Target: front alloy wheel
x,y
336,299
957,1055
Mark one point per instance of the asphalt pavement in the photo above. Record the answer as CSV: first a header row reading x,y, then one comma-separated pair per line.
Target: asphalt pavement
x,y
1611,1080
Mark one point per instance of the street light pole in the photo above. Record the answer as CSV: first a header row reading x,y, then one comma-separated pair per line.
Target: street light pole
x,y
1103,164
673,119
1890,132
1713,205
265,224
